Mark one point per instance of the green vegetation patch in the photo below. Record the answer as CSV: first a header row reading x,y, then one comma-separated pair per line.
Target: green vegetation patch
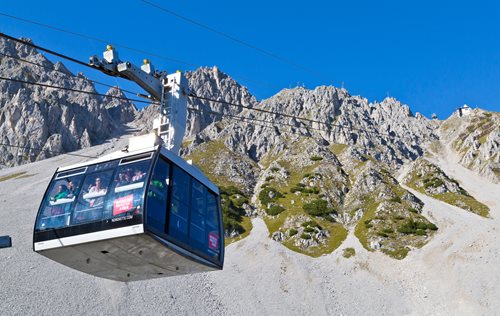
x,y
293,195
26,176
348,253
207,155
361,229
305,236
394,228
399,253
300,187
12,176
337,236
337,149
391,224
466,202
318,207
246,223
275,210
435,178
316,158
233,214
268,195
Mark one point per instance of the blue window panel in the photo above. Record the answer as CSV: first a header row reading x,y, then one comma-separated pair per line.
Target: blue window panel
x,y
157,196
213,226
197,235
59,203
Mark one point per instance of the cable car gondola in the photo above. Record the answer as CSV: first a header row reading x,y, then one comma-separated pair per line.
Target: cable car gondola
x,y
139,213
132,215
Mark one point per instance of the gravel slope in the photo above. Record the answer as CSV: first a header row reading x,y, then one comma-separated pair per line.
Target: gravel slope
x,y
457,272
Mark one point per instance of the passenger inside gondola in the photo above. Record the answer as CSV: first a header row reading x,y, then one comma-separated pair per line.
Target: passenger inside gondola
x,y
57,208
97,187
97,191
123,179
62,191
127,198
138,176
91,201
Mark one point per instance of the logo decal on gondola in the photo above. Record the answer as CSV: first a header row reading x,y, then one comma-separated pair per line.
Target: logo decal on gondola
x,y
213,241
123,204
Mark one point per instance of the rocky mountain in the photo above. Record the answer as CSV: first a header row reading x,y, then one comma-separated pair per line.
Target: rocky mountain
x,y
475,136
429,179
120,109
315,164
332,167
45,120
209,83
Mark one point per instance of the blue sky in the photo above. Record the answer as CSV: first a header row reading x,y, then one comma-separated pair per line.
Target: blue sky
x,y
432,55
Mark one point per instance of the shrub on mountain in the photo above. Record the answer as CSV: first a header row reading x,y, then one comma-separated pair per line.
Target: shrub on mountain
x,y
317,207
232,201
274,210
269,194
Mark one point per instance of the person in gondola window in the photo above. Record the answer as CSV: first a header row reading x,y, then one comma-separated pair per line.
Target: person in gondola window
x,y
123,179
138,176
71,189
61,193
97,188
56,211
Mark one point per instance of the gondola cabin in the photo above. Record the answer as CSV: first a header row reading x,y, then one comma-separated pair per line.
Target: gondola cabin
x,y
136,214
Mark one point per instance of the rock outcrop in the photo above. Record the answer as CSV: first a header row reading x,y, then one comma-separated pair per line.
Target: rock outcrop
x,y
47,121
476,139
429,179
119,108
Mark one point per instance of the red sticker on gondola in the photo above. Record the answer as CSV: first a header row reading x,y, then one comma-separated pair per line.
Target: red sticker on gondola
x,y
213,241
123,204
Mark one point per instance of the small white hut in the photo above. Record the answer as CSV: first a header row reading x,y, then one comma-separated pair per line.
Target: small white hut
x,y
464,110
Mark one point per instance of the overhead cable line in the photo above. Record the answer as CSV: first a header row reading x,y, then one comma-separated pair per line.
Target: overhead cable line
x,y
49,51
327,124
95,39
245,119
47,150
81,63
69,75
150,54
75,90
232,38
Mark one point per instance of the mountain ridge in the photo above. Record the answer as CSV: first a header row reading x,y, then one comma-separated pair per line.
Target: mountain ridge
x,y
321,155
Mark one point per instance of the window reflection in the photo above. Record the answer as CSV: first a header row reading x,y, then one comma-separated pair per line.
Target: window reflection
x,y
90,204
213,225
128,192
56,210
194,217
99,192
179,205
157,196
198,207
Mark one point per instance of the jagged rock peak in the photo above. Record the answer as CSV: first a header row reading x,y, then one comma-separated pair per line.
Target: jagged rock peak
x,y
47,120
207,82
211,82
120,109
387,131
475,136
394,104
